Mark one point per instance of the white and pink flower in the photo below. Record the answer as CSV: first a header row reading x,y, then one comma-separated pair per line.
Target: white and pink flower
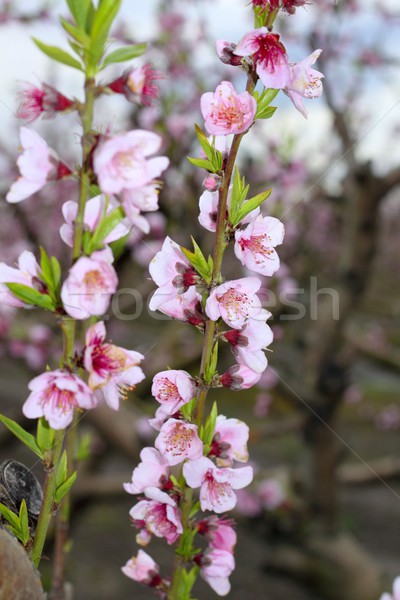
x,y
255,245
28,273
160,518
269,55
216,485
230,441
305,82
235,302
172,389
240,377
112,370
55,395
122,163
152,472
46,101
248,344
35,164
178,441
208,205
94,212
89,286
215,568
138,84
184,307
143,569
219,532
225,111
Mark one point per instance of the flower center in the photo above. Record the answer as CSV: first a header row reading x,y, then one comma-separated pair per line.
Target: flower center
x,y
258,246
63,400
167,391
108,358
179,440
228,110
270,51
94,281
234,302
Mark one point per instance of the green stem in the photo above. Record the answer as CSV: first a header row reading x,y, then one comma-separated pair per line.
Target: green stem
x,y
46,511
221,242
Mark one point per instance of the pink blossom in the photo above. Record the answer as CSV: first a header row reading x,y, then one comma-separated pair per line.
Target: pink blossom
x,y
216,485
255,245
212,182
269,55
35,165
89,286
396,591
112,370
94,212
225,111
138,85
219,532
122,163
46,101
162,519
235,302
240,377
184,307
144,198
208,205
248,344
27,273
159,419
230,441
271,493
216,567
153,471
55,395
225,52
172,389
304,82
143,569
178,441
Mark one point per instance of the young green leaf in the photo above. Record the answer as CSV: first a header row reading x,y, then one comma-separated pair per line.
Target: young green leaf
x,y
58,54
123,54
202,163
266,113
187,409
79,10
198,261
211,368
214,156
10,516
23,523
31,296
56,269
44,435
77,33
62,470
63,489
105,227
209,428
102,21
238,195
25,437
250,205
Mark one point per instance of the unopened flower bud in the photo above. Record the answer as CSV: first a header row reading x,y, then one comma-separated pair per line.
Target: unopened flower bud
x,y
225,53
212,182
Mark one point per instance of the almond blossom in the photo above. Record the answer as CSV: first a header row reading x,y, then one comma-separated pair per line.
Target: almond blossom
x,y
225,111
46,101
269,55
95,210
89,286
36,166
396,591
112,370
184,307
143,569
219,532
178,441
255,245
55,395
216,485
28,273
138,84
248,344
121,162
230,441
153,471
215,568
235,302
240,377
162,519
172,389
305,82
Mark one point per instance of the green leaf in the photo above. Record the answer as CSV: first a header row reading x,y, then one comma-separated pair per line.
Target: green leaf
x,y
105,227
187,409
23,523
209,428
62,470
198,261
31,296
84,445
77,33
250,205
64,488
213,155
267,113
238,196
211,367
56,269
79,10
44,435
264,111
202,163
10,516
19,432
102,21
195,509
118,246
123,54
58,54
